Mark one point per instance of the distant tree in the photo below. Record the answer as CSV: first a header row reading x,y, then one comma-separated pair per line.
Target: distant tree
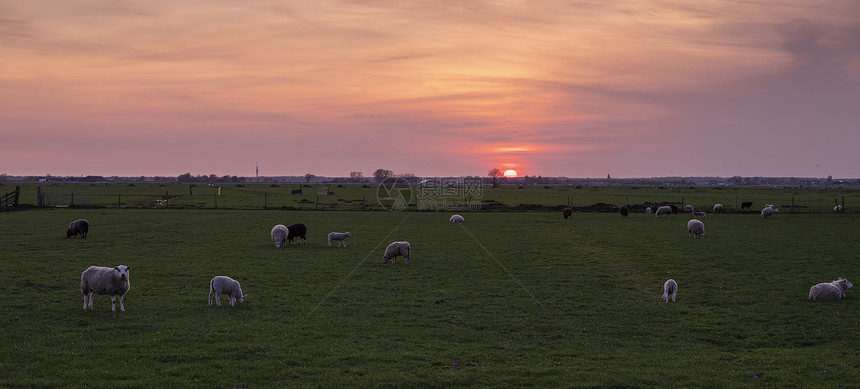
x,y
309,177
494,176
187,177
829,182
381,174
356,176
3,177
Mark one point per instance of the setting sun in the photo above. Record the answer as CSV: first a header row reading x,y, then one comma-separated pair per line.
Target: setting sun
x,y
510,173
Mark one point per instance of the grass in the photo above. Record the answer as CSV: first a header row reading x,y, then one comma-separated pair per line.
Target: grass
x,y
506,299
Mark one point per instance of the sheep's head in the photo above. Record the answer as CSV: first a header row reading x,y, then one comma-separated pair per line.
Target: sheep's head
x,y
69,233
347,235
241,298
122,272
278,244
845,284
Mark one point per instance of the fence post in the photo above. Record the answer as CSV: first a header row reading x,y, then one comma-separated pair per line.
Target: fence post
x,y
39,196
265,200
792,205
119,200
72,202
216,201
167,198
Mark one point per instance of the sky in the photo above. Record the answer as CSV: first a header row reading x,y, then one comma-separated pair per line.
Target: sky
x,y
579,88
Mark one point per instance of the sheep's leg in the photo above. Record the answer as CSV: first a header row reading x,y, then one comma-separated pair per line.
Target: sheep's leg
x,y
232,301
211,292
113,303
85,301
406,259
121,307
91,300
329,243
218,298
344,243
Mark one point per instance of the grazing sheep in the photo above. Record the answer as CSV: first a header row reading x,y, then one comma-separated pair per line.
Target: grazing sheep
x,y
76,227
279,235
298,231
649,210
456,219
718,208
746,204
566,212
700,214
688,208
767,211
837,208
340,237
225,285
624,211
829,291
664,210
394,249
670,287
112,281
769,206
696,228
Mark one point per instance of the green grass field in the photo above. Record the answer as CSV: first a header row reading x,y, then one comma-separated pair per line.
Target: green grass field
x,y
506,299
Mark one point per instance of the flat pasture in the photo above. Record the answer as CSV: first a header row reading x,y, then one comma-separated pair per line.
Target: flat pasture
x,y
505,299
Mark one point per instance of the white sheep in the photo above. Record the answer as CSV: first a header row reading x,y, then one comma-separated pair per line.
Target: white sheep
x,y
225,285
696,228
340,237
700,214
829,291
664,210
670,287
837,208
688,208
112,281
394,249
456,219
649,210
279,235
768,210
718,208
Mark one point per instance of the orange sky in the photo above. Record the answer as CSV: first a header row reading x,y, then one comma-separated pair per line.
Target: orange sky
x,y
573,88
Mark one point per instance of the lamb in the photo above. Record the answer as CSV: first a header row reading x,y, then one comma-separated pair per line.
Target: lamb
x,y
767,211
566,212
112,281
837,208
394,249
279,235
670,287
688,208
340,237
718,208
456,219
700,214
829,291
664,210
624,211
225,285
649,210
80,226
696,228
297,231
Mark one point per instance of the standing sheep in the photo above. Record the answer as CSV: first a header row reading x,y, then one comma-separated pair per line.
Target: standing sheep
x,y
649,210
688,208
700,215
624,211
298,231
829,291
767,211
696,228
664,210
718,208
340,237
837,208
394,249
566,212
225,285
113,281
80,226
670,287
279,235
456,219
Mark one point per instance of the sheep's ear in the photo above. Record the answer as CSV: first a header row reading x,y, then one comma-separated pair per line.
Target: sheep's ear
x,y
244,296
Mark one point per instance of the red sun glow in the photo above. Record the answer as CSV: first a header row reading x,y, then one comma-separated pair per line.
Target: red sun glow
x,y
510,173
